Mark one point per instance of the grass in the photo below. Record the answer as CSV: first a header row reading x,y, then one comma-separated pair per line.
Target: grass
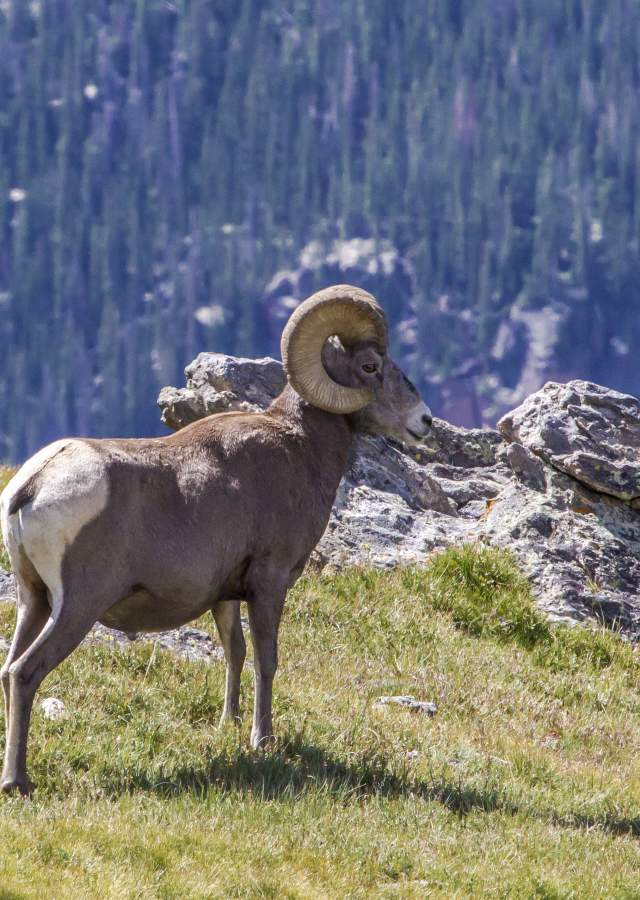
x,y
524,784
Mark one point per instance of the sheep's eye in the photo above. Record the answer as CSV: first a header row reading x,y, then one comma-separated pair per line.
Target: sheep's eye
x,y
369,368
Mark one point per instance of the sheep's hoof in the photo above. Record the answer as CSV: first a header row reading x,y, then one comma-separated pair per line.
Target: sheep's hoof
x,y
263,742
16,786
230,719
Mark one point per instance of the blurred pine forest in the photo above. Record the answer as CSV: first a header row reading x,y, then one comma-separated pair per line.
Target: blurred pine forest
x,y
174,175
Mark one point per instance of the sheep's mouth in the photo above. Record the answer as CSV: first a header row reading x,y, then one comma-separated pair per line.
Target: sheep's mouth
x,y
418,438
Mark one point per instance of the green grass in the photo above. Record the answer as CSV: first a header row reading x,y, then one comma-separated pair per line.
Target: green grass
x,y
526,782
6,474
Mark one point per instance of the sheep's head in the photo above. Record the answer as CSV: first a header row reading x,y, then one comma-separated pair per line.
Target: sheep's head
x,y
334,349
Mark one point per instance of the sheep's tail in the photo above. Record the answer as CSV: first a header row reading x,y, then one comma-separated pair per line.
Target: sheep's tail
x,y
25,494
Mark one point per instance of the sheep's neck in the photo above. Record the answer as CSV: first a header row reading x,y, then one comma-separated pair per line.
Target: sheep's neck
x,y
328,437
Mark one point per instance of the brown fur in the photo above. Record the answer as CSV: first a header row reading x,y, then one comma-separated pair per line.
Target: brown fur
x,y
236,510
25,495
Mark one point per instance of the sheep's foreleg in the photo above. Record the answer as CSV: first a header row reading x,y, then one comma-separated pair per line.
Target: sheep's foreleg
x,y
265,612
227,617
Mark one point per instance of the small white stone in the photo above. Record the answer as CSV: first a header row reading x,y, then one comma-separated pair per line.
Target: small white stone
x,y
418,706
52,708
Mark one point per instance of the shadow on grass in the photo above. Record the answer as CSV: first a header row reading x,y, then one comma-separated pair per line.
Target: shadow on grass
x,y
298,767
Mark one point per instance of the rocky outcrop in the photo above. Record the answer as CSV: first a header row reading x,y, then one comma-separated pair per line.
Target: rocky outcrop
x,y
217,383
556,484
590,432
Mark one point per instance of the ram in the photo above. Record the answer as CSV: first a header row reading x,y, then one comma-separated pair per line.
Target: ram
x,y
148,534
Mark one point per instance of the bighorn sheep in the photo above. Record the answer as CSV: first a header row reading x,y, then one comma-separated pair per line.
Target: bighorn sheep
x,y
148,534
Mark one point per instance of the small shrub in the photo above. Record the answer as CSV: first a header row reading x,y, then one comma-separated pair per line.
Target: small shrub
x,y
486,594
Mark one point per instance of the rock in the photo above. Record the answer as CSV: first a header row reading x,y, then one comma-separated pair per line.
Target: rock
x,y
7,586
581,549
525,466
52,708
587,431
180,407
533,487
216,383
417,706
186,642
464,448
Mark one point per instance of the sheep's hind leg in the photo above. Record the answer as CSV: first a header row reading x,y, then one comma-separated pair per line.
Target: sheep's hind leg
x,y
32,611
227,617
63,631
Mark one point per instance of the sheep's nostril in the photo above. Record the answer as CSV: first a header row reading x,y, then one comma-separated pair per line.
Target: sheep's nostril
x,y
427,420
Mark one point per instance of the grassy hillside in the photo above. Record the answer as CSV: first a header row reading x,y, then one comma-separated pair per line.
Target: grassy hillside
x,y
524,783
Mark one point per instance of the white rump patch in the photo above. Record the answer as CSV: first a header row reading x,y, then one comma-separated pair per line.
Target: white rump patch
x,y
73,491
24,473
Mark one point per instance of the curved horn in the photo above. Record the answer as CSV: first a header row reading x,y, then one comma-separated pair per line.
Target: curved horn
x,y
351,314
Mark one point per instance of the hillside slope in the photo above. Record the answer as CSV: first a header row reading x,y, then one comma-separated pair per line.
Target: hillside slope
x,y
526,774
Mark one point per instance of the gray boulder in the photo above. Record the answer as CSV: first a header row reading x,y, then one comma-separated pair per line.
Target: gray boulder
x,y
186,642
580,548
217,383
590,432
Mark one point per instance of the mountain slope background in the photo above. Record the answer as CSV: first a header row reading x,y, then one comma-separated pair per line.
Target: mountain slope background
x,y
174,176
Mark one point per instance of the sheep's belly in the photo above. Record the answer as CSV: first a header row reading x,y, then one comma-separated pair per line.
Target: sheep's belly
x,y
143,611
